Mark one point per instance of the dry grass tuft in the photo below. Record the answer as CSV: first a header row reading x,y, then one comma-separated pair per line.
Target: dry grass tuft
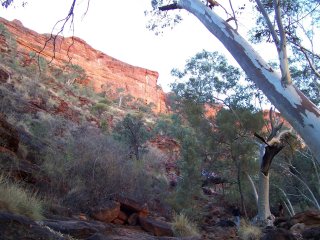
x,y
249,232
183,227
15,199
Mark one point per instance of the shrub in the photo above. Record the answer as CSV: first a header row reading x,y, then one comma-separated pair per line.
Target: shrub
x,y
92,167
132,131
99,108
249,232
15,199
183,227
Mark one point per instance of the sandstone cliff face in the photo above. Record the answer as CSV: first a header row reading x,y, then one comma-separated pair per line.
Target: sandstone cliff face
x,y
102,70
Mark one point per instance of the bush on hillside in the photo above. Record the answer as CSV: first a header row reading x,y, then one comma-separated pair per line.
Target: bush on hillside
x,y
93,168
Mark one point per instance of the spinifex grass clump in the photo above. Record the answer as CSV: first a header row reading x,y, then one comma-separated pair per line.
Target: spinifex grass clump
x,y
15,199
183,227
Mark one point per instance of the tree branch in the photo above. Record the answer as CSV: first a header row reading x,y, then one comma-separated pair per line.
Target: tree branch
x,y
172,6
282,46
234,15
268,21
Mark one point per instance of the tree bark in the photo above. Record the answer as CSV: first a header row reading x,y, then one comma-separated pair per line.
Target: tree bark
x,y
263,200
296,108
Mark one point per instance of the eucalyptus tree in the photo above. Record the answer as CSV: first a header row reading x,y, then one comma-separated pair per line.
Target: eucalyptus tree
x,y
300,20
234,134
132,130
296,107
208,79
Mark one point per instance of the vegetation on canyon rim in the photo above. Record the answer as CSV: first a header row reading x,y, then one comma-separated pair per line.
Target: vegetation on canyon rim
x,y
81,165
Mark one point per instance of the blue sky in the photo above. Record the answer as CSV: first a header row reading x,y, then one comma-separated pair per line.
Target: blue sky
x,y
117,28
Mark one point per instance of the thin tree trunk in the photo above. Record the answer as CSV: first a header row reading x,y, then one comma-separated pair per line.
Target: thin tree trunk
x,y
240,188
254,189
289,211
289,207
313,199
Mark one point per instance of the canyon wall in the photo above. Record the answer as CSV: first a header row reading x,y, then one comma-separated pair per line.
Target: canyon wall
x,y
102,70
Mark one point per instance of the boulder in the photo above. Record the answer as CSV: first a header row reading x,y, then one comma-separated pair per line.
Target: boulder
x,y
118,221
107,213
297,229
123,216
129,205
308,218
76,228
156,227
282,222
278,234
13,227
311,233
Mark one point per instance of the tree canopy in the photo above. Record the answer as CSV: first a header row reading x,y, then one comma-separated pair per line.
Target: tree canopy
x,y
279,88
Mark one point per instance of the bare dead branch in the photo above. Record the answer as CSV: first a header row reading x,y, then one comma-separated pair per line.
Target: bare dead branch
x,y
260,138
54,36
234,15
172,6
87,9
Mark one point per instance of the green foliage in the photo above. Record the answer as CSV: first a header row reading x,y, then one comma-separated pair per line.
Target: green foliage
x,y
10,40
16,199
76,72
93,168
171,126
188,190
183,227
69,74
236,122
99,108
207,76
142,106
104,126
208,73
131,130
156,20
294,161
300,19
42,62
6,3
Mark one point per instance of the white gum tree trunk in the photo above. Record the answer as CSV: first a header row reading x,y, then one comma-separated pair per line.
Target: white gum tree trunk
x,y
296,108
263,199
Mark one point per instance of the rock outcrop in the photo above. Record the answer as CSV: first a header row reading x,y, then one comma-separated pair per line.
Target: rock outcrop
x,y
102,71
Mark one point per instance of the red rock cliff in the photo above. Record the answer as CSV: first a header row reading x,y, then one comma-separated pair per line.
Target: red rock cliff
x,y
101,69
